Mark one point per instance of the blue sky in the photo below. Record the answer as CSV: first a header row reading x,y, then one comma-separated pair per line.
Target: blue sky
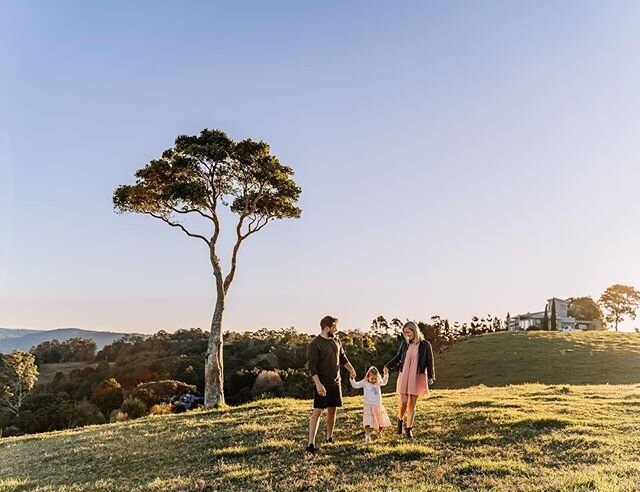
x,y
456,158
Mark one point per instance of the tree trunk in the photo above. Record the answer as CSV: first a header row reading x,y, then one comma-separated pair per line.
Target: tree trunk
x,y
214,365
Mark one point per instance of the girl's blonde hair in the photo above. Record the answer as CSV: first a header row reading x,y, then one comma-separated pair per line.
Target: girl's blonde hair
x,y
417,334
373,370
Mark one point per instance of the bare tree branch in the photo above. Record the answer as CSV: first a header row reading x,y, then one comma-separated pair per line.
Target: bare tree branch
x,y
191,210
180,226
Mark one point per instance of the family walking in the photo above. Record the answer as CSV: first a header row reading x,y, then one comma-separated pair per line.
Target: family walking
x,y
325,355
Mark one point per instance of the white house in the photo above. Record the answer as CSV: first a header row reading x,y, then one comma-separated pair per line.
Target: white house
x,y
564,321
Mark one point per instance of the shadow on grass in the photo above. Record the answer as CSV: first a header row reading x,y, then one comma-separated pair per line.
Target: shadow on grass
x,y
467,430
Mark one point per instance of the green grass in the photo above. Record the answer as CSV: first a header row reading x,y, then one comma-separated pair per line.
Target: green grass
x,y
541,357
531,437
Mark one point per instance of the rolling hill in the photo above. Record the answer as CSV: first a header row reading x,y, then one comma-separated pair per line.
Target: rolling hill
x,y
499,359
498,435
25,339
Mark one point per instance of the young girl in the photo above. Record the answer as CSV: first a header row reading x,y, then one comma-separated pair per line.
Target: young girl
x,y
374,413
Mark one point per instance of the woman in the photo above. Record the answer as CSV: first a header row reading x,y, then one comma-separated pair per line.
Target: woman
x,y
415,360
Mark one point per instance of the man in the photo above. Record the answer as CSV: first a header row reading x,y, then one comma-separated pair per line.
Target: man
x,y
325,355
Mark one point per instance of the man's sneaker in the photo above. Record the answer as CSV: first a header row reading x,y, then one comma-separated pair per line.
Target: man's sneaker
x,y
311,449
329,440
367,438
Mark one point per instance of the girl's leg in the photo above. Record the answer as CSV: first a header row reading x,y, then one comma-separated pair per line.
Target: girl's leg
x,y
411,410
367,433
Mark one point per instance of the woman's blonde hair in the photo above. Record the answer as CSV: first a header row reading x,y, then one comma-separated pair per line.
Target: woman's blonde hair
x,y
417,334
373,370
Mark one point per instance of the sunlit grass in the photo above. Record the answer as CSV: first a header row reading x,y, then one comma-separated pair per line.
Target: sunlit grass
x,y
541,437
529,437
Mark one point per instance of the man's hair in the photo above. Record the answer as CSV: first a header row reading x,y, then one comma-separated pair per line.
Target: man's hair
x,y
327,321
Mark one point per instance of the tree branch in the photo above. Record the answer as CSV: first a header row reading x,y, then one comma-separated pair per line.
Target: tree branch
x,y
180,226
192,210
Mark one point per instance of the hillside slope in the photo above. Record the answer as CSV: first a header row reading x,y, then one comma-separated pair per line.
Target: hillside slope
x,y
499,359
517,438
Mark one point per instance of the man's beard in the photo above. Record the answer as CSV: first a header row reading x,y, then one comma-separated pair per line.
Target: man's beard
x,y
331,334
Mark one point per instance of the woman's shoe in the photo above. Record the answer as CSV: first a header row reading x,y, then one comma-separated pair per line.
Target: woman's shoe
x,y
409,432
399,430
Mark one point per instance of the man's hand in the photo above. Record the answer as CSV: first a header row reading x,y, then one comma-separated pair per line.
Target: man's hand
x,y
431,381
353,373
322,391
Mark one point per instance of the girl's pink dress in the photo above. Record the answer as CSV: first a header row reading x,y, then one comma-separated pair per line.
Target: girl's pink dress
x,y
410,381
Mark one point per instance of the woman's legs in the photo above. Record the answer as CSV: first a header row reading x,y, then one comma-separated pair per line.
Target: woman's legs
x,y
411,409
403,406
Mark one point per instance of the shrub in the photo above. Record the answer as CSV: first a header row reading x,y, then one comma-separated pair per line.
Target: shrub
x,y
160,409
134,407
11,431
108,395
265,381
118,416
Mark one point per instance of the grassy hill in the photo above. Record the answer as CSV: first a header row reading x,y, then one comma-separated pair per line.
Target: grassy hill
x,y
500,359
552,437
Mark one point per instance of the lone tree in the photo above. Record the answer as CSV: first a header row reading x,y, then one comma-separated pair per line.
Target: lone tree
x,y
18,376
197,178
554,317
619,301
545,320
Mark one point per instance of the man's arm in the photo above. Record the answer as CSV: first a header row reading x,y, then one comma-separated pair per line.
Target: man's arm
x,y
352,371
345,362
313,357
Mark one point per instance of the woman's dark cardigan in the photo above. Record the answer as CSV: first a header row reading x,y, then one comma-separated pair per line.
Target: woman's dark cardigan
x,y
425,358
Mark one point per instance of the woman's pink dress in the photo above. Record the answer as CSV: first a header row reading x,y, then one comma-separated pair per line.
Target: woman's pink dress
x,y
410,381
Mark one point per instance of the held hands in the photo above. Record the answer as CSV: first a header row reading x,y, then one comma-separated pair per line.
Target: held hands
x,y
352,373
385,371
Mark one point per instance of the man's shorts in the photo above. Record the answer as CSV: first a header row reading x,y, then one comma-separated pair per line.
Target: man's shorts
x,y
333,398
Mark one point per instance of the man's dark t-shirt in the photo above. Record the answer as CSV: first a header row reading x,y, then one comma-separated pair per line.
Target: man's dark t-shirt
x,y
325,355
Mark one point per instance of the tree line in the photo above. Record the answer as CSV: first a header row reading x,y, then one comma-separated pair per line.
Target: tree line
x,y
137,375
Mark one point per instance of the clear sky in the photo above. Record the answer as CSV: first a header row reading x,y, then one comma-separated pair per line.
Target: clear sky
x,y
456,158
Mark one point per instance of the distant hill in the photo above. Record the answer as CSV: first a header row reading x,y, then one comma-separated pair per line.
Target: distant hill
x,y
14,333
25,339
500,359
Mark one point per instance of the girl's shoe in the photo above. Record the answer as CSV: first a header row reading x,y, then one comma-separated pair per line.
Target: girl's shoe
x,y
399,430
409,432
367,438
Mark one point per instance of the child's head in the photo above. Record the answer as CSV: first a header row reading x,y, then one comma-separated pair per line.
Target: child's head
x,y
373,375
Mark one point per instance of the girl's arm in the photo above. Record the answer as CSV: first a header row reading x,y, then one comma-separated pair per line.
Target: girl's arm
x,y
385,379
356,384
